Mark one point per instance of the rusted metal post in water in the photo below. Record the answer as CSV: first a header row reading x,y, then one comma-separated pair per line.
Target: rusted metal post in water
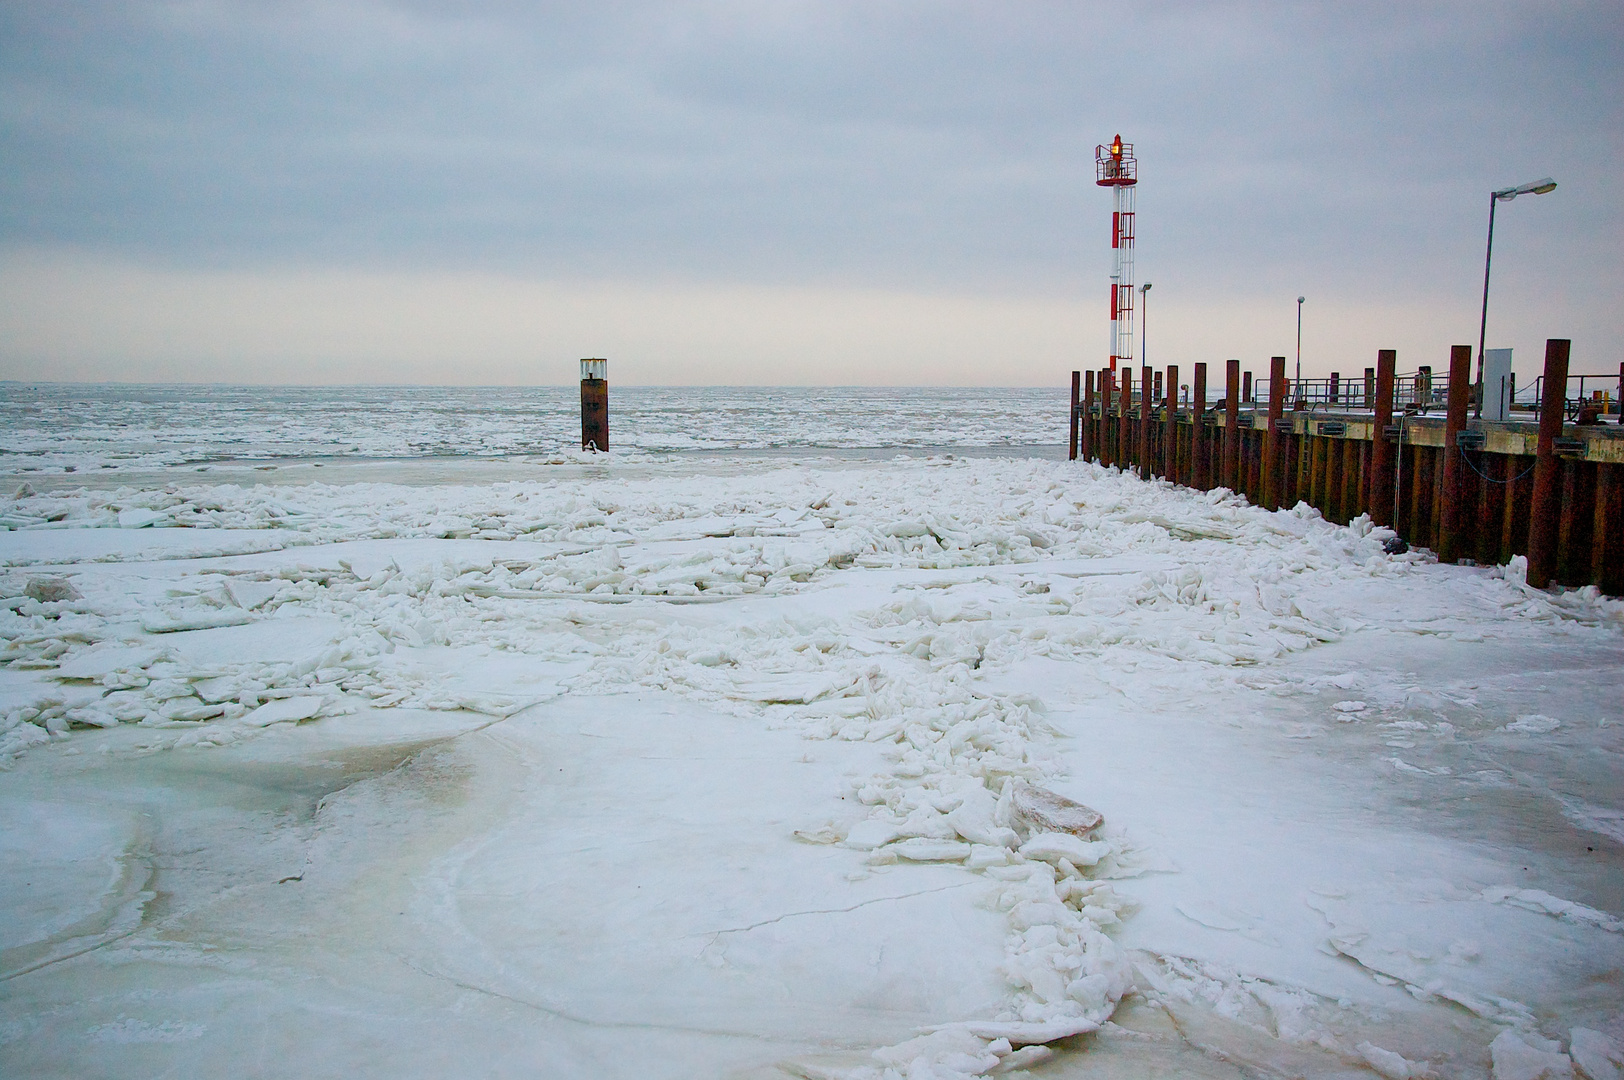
x,y
1542,523
1379,497
1246,388
1145,403
1170,431
1449,518
1232,426
595,405
1199,471
1271,436
1071,445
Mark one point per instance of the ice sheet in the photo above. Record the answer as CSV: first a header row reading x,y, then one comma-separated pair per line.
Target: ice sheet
x,y
45,428
675,768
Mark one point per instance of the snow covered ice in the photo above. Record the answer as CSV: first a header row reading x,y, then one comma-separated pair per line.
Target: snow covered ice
x,y
675,765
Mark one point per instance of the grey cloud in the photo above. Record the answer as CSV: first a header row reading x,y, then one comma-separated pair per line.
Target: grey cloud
x,y
901,144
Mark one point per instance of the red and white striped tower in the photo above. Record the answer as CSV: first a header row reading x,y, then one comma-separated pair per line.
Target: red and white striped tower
x,y
1116,168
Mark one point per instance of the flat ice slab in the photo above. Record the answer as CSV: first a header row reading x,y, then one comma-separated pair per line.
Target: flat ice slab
x,y
602,886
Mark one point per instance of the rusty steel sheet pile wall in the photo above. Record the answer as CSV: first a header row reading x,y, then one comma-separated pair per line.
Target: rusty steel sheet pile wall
x,y
1474,491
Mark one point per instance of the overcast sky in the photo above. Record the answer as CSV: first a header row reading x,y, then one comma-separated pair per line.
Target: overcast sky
x,y
794,193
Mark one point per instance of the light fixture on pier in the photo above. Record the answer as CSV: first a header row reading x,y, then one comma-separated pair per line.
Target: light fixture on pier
x,y
1533,187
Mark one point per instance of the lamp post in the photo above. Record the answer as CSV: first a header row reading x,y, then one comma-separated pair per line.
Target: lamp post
x,y
1300,300
1144,319
1533,187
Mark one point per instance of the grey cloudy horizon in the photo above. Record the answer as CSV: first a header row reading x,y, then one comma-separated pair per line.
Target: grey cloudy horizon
x,y
795,192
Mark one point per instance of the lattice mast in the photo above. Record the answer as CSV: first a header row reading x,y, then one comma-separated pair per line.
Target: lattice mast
x,y
1116,168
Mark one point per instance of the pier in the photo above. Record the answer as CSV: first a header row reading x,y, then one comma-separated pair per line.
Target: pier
x,y
1545,482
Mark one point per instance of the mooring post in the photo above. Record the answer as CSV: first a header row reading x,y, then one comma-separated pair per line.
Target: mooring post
x,y
1291,449
1542,513
1071,444
1271,434
1170,431
1379,492
1607,533
1145,404
1352,458
1313,471
1449,519
1489,511
1370,386
1572,536
1103,389
1108,395
1232,425
1108,392
595,405
1621,393
1246,388
1198,431
1125,420
1336,388
1085,437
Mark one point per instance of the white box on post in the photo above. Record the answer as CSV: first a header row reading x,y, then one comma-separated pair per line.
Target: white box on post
x,y
1496,384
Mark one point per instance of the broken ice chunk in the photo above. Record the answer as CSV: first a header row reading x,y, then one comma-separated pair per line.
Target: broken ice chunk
x,y
1038,810
104,659
1597,1056
973,819
1534,725
982,856
50,590
141,518
1025,1033
869,834
823,834
284,709
1051,847
1526,1056
924,849
159,622
1391,1065
1026,1055
251,594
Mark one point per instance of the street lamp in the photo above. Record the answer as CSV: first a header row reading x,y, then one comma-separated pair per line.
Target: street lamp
x,y
1533,187
1144,318
1300,300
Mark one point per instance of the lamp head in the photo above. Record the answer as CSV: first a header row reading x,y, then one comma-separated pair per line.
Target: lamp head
x,y
1533,187
1300,299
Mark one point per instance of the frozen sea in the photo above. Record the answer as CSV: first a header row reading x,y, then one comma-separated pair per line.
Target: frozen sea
x,y
376,731
50,427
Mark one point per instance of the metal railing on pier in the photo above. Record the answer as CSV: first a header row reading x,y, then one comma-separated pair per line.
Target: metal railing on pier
x,y
1423,391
